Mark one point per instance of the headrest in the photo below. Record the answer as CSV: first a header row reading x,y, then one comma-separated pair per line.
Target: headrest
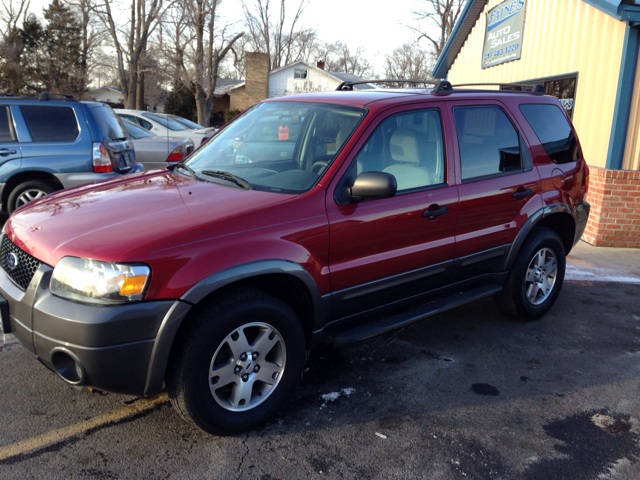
x,y
404,146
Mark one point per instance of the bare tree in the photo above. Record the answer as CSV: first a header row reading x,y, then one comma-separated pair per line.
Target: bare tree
x,y
131,44
200,45
340,58
11,15
408,62
277,36
441,13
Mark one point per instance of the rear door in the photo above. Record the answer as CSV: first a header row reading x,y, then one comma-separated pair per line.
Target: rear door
x,y
497,185
391,249
10,156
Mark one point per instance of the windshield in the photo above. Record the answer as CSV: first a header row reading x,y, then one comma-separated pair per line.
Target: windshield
x,y
165,121
135,131
185,122
279,146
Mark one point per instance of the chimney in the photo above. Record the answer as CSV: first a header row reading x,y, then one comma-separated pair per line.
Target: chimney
x,y
256,78
320,64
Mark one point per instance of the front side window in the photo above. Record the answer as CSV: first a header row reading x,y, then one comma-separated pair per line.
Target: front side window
x,y
489,143
553,131
50,124
409,146
165,122
6,129
278,146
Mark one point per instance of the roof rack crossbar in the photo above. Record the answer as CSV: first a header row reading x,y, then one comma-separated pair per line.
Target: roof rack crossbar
x,y
6,94
44,96
536,89
348,86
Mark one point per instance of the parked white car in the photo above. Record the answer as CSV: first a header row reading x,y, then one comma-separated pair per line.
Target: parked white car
x,y
163,125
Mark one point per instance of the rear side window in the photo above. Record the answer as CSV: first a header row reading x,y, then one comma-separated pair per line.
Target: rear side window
x,y
6,132
145,124
109,124
554,132
489,143
50,124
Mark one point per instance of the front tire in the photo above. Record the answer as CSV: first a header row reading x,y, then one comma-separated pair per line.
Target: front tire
x,y
237,364
535,280
27,192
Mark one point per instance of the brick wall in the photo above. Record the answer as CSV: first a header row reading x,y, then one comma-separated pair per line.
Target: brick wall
x,y
256,77
614,220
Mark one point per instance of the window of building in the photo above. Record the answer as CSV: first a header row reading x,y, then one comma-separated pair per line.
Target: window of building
x,y
553,131
50,124
6,132
299,73
489,143
563,88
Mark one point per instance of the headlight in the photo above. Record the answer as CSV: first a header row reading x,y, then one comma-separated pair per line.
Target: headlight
x,y
91,281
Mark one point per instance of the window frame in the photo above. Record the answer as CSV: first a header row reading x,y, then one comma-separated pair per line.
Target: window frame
x,y
10,124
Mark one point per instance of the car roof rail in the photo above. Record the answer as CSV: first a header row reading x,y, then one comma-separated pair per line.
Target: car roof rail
x,y
44,96
348,86
446,87
6,94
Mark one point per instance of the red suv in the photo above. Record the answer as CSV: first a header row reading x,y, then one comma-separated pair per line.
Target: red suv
x,y
308,219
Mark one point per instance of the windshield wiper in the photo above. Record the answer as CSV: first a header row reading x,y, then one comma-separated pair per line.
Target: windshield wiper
x,y
187,168
119,139
228,176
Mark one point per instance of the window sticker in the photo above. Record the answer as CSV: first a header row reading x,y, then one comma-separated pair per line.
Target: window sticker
x,y
283,133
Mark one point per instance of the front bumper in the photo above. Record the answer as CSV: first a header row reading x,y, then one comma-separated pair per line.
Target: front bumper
x,y
118,348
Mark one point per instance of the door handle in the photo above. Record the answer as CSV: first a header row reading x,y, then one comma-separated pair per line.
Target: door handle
x,y
522,193
7,151
436,212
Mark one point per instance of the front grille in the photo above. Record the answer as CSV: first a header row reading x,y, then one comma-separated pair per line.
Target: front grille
x,y
26,266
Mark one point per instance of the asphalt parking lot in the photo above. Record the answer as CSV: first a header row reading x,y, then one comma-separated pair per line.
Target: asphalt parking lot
x,y
470,394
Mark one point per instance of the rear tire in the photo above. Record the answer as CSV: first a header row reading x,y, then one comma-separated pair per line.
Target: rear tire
x,y
27,192
535,280
237,363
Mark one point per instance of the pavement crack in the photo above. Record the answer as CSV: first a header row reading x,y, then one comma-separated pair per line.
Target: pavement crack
x,y
244,442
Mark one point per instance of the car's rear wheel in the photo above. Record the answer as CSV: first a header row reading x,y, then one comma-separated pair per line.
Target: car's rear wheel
x,y
237,363
27,192
535,280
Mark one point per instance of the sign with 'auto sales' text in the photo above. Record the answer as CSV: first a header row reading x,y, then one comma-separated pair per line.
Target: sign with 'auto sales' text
x,y
503,38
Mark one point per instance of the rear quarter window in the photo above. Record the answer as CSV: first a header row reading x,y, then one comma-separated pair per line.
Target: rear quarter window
x,y
50,124
553,130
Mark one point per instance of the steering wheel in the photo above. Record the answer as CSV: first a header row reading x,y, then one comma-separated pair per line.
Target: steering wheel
x,y
318,167
243,159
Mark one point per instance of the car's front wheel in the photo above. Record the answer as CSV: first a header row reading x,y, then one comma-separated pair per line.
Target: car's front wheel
x,y
237,363
536,278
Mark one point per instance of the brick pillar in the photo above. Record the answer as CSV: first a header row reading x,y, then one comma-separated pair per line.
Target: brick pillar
x,y
257,78
614,220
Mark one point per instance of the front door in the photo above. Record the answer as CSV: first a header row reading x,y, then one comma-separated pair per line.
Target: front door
x,y
389,249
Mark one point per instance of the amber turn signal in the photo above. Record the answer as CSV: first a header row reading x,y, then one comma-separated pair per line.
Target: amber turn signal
x,y
133,285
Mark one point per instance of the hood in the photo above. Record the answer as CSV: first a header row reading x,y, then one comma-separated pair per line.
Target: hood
x,y
128,219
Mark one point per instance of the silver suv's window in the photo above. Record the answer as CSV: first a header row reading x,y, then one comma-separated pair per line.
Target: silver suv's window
x,y
50,124
279,146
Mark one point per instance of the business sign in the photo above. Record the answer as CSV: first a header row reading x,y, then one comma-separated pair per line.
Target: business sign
x,y
503,38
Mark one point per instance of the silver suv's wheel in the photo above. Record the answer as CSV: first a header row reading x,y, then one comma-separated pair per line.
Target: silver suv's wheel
x,y
535,279
236,362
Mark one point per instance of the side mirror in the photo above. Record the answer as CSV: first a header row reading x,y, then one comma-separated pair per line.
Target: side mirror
x,y
372,185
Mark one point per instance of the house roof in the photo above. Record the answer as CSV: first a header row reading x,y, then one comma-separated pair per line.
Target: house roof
x,y
626,10
337,76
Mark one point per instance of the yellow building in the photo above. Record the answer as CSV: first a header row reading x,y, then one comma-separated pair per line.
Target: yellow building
x,y
584,52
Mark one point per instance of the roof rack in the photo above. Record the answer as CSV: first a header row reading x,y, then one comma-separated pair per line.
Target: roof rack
x,y
44,96
6,94
446,87
348,86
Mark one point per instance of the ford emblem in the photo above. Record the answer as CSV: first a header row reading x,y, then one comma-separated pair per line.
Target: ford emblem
x,y
12,260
